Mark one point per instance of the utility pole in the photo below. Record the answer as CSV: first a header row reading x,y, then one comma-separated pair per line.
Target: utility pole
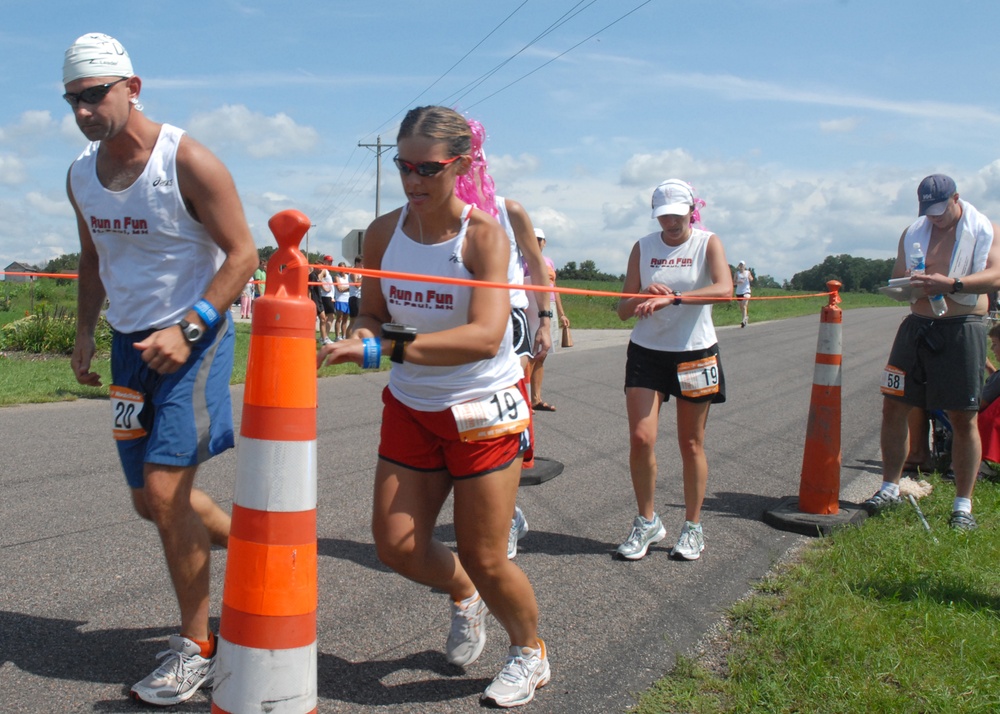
x,y
379,148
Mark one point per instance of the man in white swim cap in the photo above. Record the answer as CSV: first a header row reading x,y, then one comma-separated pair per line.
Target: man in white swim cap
x,y
96,55
163,236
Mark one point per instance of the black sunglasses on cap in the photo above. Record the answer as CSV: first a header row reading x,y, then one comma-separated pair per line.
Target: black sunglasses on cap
x,y
424,168
91,95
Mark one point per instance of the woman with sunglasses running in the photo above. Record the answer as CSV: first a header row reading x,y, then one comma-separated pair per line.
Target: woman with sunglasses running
x,y
673,351
455,414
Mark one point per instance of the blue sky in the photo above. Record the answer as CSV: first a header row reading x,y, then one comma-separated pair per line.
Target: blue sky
x,y
805,124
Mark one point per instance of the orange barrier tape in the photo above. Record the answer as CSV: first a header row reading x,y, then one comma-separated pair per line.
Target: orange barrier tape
x,y
538,288
506,286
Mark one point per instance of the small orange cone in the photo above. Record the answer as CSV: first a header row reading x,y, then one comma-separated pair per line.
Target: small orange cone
x,y
266,659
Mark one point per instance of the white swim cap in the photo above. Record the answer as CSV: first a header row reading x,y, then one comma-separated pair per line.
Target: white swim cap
x,y
96,55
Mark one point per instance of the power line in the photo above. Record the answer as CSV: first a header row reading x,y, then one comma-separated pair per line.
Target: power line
x,y
448,71
586,39
562,20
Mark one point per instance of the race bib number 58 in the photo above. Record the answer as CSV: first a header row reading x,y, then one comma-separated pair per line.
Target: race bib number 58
x,y
500,414
699,377
893,381
126,405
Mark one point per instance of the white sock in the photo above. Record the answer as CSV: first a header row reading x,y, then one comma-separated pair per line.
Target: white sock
x,y
692,526
471,600
962,504
891,487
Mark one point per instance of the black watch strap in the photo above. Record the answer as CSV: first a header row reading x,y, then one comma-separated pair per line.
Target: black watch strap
x,y
545,313
957,287
398,346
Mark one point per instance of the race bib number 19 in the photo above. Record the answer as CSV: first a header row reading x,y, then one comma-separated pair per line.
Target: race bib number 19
x,y
500,414
699,378
893,381
126,405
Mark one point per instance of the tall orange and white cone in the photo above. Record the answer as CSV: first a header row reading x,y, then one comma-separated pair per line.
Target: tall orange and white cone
x,y
266,657
819,482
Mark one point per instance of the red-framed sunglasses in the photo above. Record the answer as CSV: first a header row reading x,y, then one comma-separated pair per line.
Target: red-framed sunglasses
x,y
424,168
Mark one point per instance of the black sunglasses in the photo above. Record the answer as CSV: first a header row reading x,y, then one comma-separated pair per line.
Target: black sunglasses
x,y
424,168
91,95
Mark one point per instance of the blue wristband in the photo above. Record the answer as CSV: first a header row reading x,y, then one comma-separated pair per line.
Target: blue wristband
x,y
208,314
373,353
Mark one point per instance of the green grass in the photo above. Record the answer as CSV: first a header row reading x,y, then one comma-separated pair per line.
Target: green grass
x,y
874,619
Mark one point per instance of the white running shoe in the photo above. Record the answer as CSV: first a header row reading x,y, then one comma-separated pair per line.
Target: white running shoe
x,y
467,636
644,533
691,542
518,529
523,672
181,673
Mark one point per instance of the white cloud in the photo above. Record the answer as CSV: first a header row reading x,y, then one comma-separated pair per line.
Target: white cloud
x,y
11,170
256,134
58,206
845,125
736,88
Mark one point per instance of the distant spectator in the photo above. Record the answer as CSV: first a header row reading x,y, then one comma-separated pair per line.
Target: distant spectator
x,y
354,296
326,298
260,277
341,303
536,368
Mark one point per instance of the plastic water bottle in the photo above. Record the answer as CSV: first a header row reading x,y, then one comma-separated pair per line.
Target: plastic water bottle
x,y
938,306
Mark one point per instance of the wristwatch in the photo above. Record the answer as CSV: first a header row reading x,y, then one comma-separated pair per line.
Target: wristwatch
x,y
677,297
545,313
192,333
957,287
400,335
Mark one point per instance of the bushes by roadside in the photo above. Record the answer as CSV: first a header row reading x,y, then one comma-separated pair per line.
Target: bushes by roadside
x,y
48,331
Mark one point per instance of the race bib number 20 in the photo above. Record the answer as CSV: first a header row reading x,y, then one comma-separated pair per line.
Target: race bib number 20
x,y
500,414
126,405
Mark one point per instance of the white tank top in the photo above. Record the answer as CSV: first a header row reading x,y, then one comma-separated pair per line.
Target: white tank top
x,y
515,268
156,261
433,307
675,328
743,282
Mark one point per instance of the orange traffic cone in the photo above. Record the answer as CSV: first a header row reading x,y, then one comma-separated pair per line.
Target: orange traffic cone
x,y
819,482
818,509
267,642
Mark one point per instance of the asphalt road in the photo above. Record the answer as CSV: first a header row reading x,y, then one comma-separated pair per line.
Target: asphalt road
x,y
85,601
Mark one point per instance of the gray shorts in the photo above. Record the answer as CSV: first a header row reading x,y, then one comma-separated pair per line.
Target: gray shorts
x,y
942,362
